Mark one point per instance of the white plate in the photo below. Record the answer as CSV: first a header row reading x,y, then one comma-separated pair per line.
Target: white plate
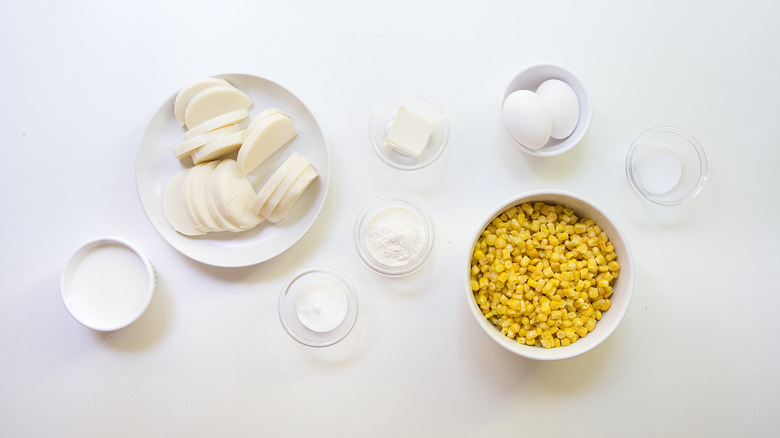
x,y
156,165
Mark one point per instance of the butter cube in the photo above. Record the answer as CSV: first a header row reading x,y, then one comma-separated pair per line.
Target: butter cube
x,y
409,133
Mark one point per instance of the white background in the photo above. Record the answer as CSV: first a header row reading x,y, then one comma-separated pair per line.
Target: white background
x,y
696,355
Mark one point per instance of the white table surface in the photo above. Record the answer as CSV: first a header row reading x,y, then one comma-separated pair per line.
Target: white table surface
x,y
696,355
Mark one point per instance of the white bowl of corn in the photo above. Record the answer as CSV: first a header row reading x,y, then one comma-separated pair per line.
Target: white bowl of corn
x,y
549,275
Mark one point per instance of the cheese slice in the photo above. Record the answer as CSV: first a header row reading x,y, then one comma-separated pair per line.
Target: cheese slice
x,y
286,182
268,136
229,118
295,161
222,222
186,147
219,147
190,90
230,195
264,114
214,101
175,206
195,193
298,188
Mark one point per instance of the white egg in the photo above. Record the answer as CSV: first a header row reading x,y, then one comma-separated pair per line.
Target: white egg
x,y
564,107
527,119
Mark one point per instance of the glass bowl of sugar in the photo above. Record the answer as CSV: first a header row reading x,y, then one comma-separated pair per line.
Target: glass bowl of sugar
x,y
394,235
318,306
666,166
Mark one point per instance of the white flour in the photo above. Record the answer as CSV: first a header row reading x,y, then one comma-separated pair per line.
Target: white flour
x,y
395,236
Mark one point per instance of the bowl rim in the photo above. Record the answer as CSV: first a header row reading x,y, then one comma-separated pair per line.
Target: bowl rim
x,y
577,348
703,165
586,108
75,258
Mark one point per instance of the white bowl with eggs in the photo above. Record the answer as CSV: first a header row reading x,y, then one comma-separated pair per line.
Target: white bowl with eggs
x,y
546,110
623,285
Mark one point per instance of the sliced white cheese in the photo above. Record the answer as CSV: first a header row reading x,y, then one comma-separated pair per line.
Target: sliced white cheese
x,y
219,147
278,192
214,101
230,194
175,206
267,137
300,185
189,90
264,114
195,194
229,118
295,160
186,147
409,133
222,222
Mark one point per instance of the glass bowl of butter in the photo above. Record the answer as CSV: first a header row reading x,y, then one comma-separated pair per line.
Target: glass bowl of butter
x,y
409,131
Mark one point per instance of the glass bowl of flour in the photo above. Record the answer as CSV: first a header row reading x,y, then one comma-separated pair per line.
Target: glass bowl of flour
x,y
394,235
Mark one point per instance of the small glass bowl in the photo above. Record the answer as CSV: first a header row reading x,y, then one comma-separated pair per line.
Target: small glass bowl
x,y
425,106
371,211
288,306
666,166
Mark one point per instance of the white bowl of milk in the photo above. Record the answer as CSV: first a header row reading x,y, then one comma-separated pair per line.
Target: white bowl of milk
x,y
107,284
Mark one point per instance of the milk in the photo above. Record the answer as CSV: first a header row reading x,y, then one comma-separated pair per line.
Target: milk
x,y
108,285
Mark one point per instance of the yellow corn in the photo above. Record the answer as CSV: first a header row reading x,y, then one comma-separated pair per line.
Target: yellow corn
x,y
542,275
